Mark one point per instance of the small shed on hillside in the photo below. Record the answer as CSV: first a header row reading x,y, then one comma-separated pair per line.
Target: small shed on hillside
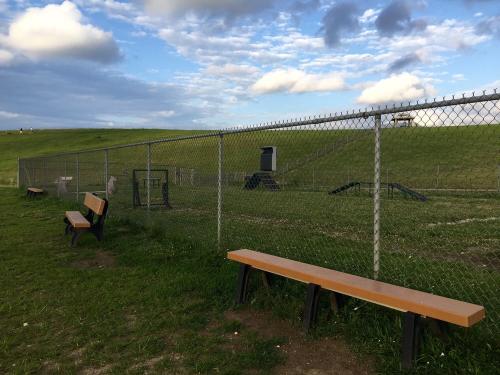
x,y
403,120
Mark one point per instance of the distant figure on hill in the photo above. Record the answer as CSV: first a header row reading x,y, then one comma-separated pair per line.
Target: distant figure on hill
x,y
21,131
31,130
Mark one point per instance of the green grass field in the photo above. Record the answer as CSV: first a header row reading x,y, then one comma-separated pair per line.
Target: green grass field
x,y
155,299
132,304
43,142
449,245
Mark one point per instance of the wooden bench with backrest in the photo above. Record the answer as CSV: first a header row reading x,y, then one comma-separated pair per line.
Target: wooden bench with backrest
x,y
33,192
93,221
414,304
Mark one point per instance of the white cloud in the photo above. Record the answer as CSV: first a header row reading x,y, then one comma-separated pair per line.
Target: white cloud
x,y
110,5
8,115
211,49
124,11
446,36
58,31
298,81
396,88
3,6
231,70
199,40
369,15
294,40
458,77
233,7
164,114
348,61
5,57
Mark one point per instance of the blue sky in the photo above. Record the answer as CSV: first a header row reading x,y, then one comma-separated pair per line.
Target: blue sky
x,y
223,63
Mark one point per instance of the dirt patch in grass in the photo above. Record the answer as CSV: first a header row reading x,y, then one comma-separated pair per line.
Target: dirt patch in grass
x,y
304,355
50,367
464,221
106,369
102,259
148,365
77,356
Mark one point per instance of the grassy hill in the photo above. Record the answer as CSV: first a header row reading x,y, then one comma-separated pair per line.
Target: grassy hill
x,y
424,158
43,142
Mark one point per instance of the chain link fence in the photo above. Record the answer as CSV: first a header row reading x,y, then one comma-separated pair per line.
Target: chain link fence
x,y
408,194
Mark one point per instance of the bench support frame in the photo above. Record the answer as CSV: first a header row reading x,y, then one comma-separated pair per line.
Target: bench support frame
x,y
413,323
337,301
97,227
411,339
33,194
243,277
438,327
267,279
311,308
75,237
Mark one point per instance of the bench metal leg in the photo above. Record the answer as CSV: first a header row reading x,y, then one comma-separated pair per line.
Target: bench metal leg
x,y
267,279
311,305
98,232
67,228
76,236
410,340
438,327
242,283
337,301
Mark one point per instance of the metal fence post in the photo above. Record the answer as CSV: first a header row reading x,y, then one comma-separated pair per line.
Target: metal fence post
x,y
219,190
46,173
106,172
18,172
149,176
376,200
77,177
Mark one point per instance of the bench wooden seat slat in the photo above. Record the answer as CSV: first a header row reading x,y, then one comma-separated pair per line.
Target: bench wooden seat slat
x,y
393,296
77,220
35,190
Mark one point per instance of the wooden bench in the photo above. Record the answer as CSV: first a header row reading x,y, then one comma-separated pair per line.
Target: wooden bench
x,y
93,221
33,192
413,304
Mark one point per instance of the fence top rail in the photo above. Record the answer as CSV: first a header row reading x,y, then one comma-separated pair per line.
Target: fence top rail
x,y
342,116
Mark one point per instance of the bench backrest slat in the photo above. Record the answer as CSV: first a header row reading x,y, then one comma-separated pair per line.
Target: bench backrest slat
x,y
404,299
94,203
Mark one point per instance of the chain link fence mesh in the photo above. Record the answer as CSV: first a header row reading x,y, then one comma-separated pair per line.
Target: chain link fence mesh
x,y
439,192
